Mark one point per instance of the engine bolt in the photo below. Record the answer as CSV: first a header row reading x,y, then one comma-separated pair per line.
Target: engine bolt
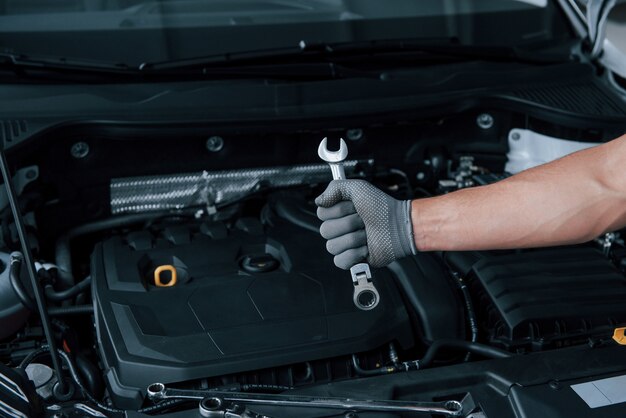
x,y
79,150
354,134
484,121
554,384
215,144
515,136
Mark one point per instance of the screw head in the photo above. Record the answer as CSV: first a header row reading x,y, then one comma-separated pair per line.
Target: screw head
x,y
484,121
79,150
515,136
215,143
354,134
420,175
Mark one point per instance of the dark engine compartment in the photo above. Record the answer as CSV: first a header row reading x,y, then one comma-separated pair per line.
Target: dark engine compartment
x,y
227,314
257,303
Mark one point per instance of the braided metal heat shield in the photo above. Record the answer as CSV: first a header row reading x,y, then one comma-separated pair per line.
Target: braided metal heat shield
x,y
209,188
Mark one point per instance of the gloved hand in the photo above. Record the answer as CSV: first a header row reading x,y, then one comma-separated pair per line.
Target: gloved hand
x,y
362,223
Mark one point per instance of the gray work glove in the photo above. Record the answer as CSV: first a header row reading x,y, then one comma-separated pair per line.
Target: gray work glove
x,y
362,223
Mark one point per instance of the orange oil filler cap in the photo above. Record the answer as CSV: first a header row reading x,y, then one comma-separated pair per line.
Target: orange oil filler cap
x,y
161,278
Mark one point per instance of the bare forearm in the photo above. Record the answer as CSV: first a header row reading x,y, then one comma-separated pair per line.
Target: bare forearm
x,y
567,201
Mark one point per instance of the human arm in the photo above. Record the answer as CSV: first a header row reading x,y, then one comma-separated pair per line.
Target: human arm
x,y
567,201
570,200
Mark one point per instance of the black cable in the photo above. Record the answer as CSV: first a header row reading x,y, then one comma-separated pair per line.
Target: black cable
x,y
472,347
371,372
469,309
62,295
434,349
72,368
76,378
78,381
30,265
32,356
71,310
163,405
15,268
63,251
63,255
263,387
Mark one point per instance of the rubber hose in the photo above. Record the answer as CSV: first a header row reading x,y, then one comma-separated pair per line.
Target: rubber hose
x,y
77,380
91,376
373,372
15,268
472,347
292,212
71,310
78,288
469,308
32,356
63,254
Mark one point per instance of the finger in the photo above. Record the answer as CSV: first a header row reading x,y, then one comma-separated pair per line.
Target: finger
x,y
334,228
345,242
339,210
334,193
350,257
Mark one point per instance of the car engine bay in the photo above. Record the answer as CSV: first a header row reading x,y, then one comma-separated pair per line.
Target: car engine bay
x,y
202,268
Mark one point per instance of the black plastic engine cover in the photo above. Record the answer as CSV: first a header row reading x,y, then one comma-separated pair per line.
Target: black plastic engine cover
x,y
246,299
549,298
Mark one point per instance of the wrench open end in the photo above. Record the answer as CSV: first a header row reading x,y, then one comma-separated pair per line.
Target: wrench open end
x,y
332,156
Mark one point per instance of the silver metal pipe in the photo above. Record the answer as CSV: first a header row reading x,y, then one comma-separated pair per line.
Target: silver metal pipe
x,y
208,188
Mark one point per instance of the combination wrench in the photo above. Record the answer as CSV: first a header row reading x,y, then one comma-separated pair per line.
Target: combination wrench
x,y
365,296
451,408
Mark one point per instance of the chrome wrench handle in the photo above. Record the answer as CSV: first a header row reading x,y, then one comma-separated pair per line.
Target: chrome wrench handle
x,y
365,295
451,408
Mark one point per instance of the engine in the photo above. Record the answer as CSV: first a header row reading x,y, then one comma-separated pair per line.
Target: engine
x,y
244,297
212,274
257,298
534,300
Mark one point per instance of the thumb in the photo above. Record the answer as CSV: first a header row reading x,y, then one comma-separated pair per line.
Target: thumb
x,y
334,193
